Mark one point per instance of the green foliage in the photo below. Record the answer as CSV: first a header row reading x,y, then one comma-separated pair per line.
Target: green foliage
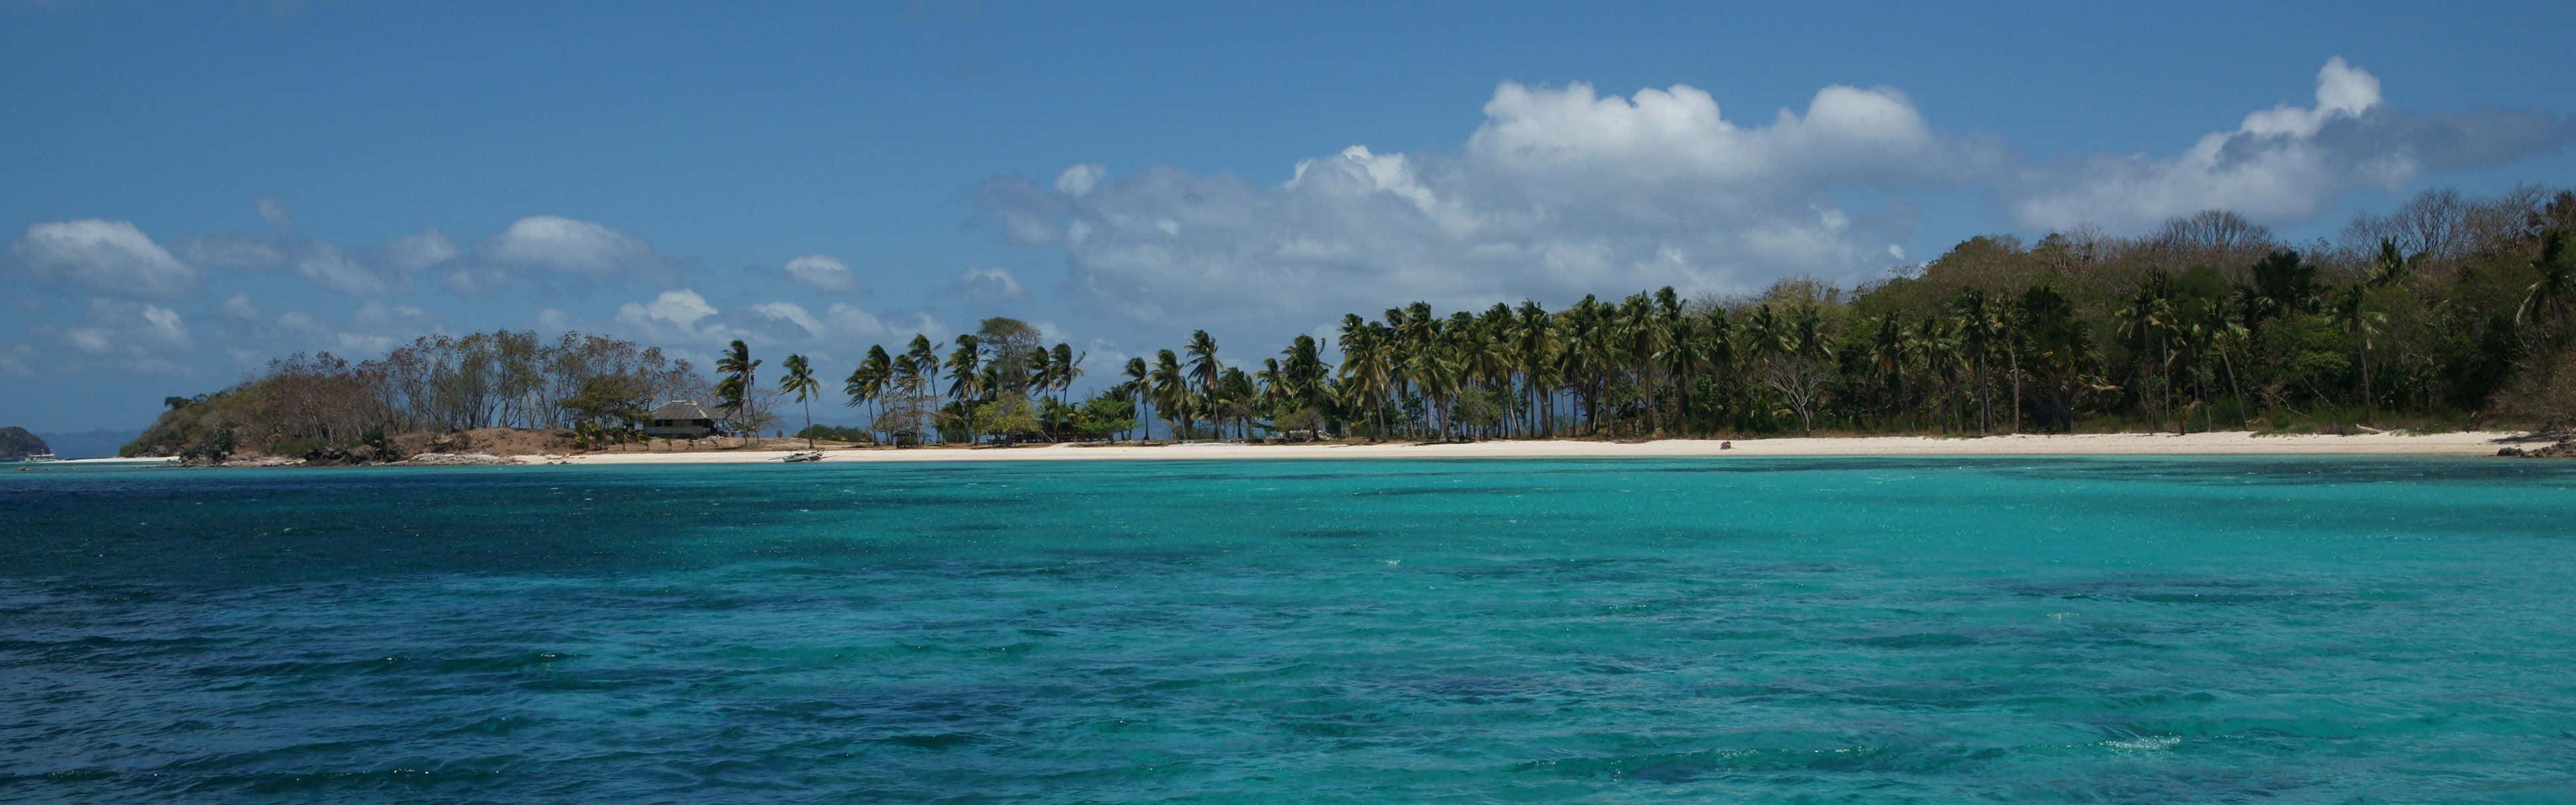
x,y
1011,416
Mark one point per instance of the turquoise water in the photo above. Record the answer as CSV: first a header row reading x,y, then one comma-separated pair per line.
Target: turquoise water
x,y
1825,630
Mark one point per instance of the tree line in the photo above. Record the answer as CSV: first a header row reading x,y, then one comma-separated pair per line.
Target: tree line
x,y
436,383
2445,312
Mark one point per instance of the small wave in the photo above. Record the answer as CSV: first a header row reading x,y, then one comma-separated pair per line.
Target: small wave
x,y
2145,743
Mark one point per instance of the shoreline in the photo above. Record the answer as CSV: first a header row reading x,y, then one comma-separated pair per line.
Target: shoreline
x,y
2225,443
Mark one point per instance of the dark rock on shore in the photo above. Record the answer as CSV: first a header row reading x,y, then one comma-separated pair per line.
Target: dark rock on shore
x,y
2565,448
351,456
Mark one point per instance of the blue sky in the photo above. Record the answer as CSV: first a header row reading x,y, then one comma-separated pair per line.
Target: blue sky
x,y
190,189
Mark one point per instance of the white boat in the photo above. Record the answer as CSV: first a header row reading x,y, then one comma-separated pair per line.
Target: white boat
x,y
808,455
39,457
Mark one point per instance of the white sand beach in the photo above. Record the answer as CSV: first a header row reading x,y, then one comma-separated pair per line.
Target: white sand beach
x,y
2480,443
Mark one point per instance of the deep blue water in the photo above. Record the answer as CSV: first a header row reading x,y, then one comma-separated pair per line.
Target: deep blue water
x,y
1823,630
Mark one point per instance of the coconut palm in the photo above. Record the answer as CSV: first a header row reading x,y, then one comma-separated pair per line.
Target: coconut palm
x,y
1067,368
799,381
2548,296
1365,373
733,393
1171,392
2350,310
2147,322
868,382
1139,390
1205,369
1981,330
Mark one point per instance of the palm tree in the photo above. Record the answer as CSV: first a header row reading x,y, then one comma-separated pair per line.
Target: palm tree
x,y
868,382
2548,296
1171,391
1889,356
923,362
734,392
966,379
1205,370
1140,391
2349,310
1364,370
1068,368
799,381
2147,321
1980,329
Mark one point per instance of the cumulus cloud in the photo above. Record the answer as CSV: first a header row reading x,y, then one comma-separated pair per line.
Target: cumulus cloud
x,y
569,246
684,317
1079,179
822,272
851,322
2284,162
792,313
985,284
138,337
1559,192
358,271
110,257
238,306
672,316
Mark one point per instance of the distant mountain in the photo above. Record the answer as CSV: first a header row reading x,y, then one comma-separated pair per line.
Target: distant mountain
x,y
17,442
88,444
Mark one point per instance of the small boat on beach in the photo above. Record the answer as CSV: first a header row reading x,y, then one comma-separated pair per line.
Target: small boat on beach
x,y
808,455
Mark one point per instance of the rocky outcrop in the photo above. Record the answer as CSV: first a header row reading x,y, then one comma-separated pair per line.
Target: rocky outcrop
x,y
351,456
2565,448
16,442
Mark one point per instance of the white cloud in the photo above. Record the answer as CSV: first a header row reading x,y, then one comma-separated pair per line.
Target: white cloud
x,y
2284,162
1658,136
1560,192
238,306
139,337
985,285
358,271
1563,191
569,246
677,317
378,315
792,313
418,251
552,320
273,210
822,272
851,322
105,256
90,339
1079,179
299,320
328,267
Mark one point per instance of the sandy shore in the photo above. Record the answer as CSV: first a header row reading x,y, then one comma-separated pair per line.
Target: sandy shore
x,y
2235,443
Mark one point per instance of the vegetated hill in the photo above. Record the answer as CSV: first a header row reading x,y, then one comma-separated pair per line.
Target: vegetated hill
x,y
16,442
436,384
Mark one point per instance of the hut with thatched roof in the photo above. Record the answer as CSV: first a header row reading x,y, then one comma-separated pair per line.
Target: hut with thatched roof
x,y
680,419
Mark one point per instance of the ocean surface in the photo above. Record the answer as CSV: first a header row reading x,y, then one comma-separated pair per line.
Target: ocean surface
x,y
2157,630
